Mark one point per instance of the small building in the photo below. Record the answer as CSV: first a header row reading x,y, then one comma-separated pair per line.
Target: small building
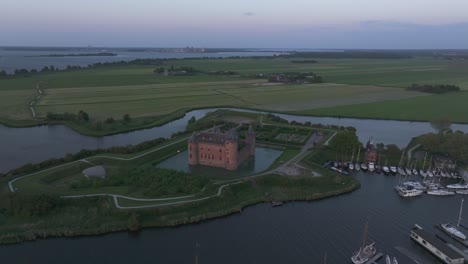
x,y
96,172
371,151
223,150
436,247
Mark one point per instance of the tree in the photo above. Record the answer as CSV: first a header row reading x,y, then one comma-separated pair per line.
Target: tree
x,y
133,223
192,120
344,142
3,74
127,118
82,115
441,124
110,120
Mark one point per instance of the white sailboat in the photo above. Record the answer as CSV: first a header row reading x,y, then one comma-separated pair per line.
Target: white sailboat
x,y
365,252
356,165
440,192
455,230
351,164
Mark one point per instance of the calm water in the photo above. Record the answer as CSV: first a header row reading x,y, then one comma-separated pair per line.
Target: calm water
x,y
24,145
264,157
300,232
11,60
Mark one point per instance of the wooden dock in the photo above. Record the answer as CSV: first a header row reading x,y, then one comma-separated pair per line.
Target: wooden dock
x,y
462,242
375,258
459,251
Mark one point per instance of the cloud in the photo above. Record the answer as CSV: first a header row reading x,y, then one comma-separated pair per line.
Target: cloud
x,y
249,14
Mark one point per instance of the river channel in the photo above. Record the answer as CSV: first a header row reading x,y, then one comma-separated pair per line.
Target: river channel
x,y
299,232
35,144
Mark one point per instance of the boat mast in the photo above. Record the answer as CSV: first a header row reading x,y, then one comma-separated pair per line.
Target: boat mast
x,y
460,214
424,163
364,237
401,158
352,156
359,152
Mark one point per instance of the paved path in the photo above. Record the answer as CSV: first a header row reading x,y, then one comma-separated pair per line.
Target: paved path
x,y
33,102
304,151
12,189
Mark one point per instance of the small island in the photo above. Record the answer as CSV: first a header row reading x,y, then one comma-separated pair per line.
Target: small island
x,y
128,188
98,54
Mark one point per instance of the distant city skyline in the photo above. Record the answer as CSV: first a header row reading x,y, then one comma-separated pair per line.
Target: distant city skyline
x,y
333,24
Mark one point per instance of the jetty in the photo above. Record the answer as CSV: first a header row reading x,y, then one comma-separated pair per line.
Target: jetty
x,y
375,258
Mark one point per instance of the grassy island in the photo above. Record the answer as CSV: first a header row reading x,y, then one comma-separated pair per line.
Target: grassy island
x,y
56,199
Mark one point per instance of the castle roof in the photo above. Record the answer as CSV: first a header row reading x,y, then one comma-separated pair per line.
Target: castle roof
x,y
370,145
214,137
250,131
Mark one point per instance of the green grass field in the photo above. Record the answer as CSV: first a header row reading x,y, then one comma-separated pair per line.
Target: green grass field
x,y
354,87
452,106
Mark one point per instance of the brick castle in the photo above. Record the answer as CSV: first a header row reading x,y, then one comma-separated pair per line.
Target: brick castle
x,y
217,149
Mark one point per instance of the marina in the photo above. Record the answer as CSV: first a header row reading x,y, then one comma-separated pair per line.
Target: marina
x,y
375,199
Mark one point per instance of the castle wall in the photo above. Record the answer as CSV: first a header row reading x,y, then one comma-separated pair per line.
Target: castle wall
x,y
219,150
193,153
232,161
244,154
211,155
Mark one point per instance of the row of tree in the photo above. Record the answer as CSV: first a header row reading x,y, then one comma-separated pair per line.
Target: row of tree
x,y
453,144
433,88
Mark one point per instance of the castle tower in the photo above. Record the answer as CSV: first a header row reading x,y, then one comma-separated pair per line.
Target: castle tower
x,y
193,150
250,138
231,150
371,152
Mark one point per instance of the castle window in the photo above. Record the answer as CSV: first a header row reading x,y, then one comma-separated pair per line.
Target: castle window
x,y
219,150
220,158
190,155
190,147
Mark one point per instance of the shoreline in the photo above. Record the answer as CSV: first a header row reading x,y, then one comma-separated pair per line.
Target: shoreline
x,y
180,114
28,236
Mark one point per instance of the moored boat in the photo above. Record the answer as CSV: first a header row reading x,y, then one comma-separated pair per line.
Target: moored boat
x,y
401,171
440,192
357,167
458,186
364,167
371,166
388,260
393,170
395,261
462,191
408,171
430,174
408,191
455,230
365,252
385,170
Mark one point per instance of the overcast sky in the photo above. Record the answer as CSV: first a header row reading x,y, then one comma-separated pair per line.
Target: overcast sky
x,y
240,23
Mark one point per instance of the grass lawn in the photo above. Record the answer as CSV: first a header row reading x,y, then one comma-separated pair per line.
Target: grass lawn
x,y
452,106
112,91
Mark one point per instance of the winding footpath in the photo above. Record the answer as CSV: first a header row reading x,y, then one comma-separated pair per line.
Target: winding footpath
x,y
33,102
170,200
